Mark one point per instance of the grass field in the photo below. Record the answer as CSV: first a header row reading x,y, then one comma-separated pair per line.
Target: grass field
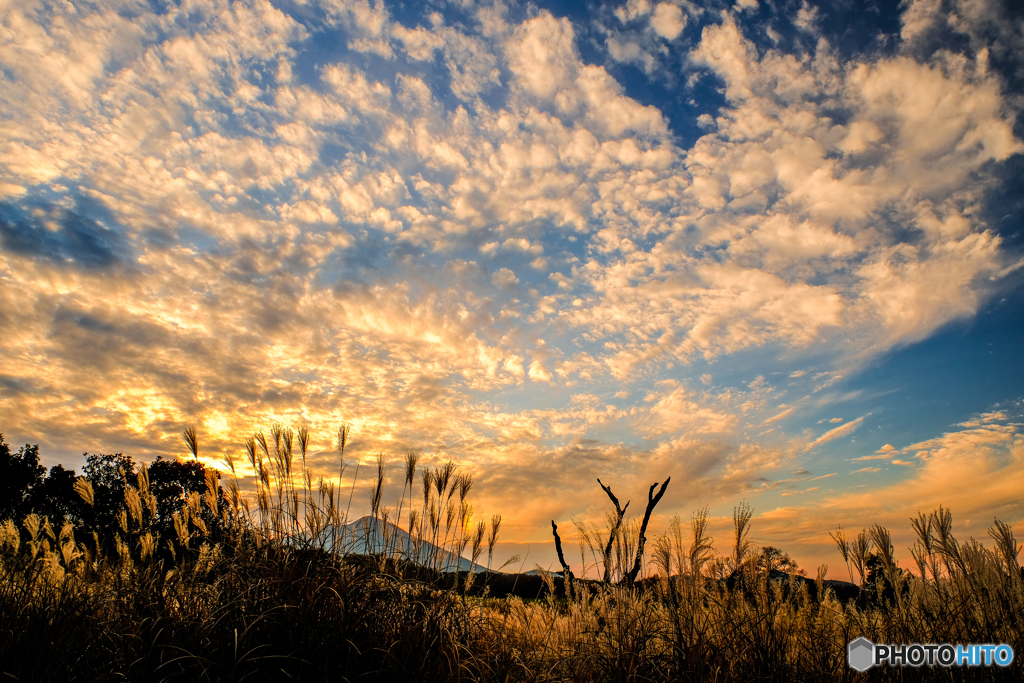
x,y
258,587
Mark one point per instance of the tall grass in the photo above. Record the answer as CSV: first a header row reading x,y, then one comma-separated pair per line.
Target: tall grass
x,y
265,586
683,624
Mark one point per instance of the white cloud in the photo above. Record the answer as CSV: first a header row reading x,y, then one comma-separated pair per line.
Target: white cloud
x,y
504,278
780,416
538,373
632,10
836,433
542,55
918,17
668,21
675,412
630,51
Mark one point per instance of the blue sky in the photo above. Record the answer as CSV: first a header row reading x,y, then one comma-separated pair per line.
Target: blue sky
x,y
770,249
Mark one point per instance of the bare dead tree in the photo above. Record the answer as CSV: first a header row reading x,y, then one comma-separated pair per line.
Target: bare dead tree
x,y
620,512
630,577
652,500
566,572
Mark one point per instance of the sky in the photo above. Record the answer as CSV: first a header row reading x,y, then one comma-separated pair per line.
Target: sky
x,y
769,249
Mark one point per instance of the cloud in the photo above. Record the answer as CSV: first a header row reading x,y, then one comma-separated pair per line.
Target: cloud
x,y
836,433
800,493
795,163
538,373
60,235
779,416
877,456
505,279
668,21
674,412
983,419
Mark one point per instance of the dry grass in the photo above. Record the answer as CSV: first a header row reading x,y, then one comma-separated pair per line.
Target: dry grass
x,y
265,591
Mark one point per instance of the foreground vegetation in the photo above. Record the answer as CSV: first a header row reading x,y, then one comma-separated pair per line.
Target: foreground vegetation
x,y
166,572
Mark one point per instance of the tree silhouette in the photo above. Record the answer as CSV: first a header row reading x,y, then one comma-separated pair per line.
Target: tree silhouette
x,y
20,473
773,559
172,481
109,475
56,499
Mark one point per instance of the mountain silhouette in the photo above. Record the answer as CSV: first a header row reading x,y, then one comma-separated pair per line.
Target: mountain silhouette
x,y
369,536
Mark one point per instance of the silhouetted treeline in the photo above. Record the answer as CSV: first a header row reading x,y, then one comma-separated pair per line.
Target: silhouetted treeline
x,y
27,487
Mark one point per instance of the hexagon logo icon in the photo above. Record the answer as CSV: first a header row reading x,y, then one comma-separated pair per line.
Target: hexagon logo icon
x,y
861,654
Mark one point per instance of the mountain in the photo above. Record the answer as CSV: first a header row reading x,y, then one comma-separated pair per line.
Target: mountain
x,y
368,536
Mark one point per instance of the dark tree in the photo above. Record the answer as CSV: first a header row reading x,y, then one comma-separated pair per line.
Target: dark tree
x,y
172,481
879,587
109,472
773,559
55,497
109,476
20,473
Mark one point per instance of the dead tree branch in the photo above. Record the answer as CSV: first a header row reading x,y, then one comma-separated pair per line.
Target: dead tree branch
x,y
652,500
566,572
620,512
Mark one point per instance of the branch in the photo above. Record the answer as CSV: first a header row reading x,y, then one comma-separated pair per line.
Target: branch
x,y
652,500
561,558
620,513
608,490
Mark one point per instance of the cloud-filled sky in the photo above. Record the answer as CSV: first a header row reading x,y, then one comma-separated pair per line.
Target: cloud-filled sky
x,y
771,249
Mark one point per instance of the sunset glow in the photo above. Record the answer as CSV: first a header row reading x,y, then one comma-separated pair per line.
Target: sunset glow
x,y
769,249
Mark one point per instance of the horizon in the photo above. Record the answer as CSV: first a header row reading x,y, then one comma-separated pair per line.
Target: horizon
x,y
770,249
